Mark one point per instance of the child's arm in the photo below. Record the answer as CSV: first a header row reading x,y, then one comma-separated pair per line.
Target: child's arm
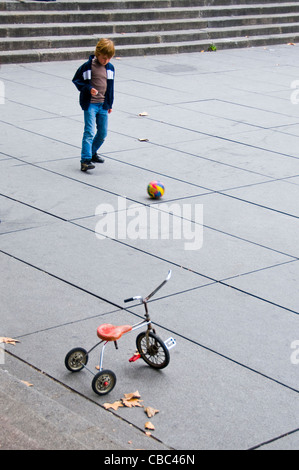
x,y
79,81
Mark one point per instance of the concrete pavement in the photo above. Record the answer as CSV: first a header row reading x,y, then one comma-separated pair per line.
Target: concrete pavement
x,y
222,133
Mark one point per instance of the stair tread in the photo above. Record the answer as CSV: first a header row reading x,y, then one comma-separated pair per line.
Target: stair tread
x,y
149,33
166,22
170,20
229,7
169,44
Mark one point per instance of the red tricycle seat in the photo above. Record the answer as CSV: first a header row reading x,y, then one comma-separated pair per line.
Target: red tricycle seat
x,y
108,332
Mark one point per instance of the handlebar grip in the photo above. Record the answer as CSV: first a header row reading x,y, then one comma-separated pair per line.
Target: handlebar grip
x,y
129,300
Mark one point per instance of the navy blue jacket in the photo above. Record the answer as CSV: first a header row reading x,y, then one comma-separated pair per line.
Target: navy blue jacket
x,y
82,80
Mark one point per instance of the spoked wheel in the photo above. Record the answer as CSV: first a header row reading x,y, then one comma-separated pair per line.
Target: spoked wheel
x,y
152,350
76,359
103,382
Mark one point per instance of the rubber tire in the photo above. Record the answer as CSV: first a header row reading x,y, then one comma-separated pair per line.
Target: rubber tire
x,y
68,359
99,387
158,346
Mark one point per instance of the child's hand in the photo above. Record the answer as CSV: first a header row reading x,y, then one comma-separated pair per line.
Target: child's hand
x,y
109,111
94,92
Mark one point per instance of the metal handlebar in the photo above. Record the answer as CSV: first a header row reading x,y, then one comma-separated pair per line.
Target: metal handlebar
x,y
138,297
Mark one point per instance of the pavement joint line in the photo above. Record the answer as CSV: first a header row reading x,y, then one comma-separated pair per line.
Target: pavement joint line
x,y
259,205
241,105
262,444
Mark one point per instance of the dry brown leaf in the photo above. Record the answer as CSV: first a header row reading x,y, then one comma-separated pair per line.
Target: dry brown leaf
x,y
27,383
149,425
132,402
143,139
114,406
5,340
150,411
144,113
129,396
148,433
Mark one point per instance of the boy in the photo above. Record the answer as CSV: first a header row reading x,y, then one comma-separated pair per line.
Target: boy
x,y
95,81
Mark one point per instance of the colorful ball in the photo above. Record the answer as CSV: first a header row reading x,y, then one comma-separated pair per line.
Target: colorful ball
x,y
155,189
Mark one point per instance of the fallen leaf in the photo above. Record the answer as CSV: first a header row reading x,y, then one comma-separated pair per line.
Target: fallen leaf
x,y
132,402
27,383
291,44
114,406
148,433
144,113
128,396
3,339
143,139
149,425
150,411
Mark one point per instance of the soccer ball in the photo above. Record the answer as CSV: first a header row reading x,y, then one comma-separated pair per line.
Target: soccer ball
x,y
155,189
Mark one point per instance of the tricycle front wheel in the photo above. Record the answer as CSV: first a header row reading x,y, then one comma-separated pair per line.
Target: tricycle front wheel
x,y
152,350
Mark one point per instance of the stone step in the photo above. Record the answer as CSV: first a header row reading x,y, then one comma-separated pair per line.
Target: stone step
x,y
15,30
92,16
76,53
58,29
146,14
121,4
72,41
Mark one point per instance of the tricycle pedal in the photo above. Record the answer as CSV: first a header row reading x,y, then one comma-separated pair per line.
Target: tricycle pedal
x,y
135,357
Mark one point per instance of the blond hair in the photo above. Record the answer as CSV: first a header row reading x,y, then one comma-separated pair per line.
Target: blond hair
x,y
105,47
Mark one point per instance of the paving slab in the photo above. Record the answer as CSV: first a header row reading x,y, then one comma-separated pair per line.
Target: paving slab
x,y
221,132
242,156
280,196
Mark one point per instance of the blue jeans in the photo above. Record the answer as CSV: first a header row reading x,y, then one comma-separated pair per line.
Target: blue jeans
x,y
95,130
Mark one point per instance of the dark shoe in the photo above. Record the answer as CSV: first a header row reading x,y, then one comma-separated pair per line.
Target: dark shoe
x,y
87,166
97,159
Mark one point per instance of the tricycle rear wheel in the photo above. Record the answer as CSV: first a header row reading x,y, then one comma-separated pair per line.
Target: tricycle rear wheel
x,y
103,382
76,359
